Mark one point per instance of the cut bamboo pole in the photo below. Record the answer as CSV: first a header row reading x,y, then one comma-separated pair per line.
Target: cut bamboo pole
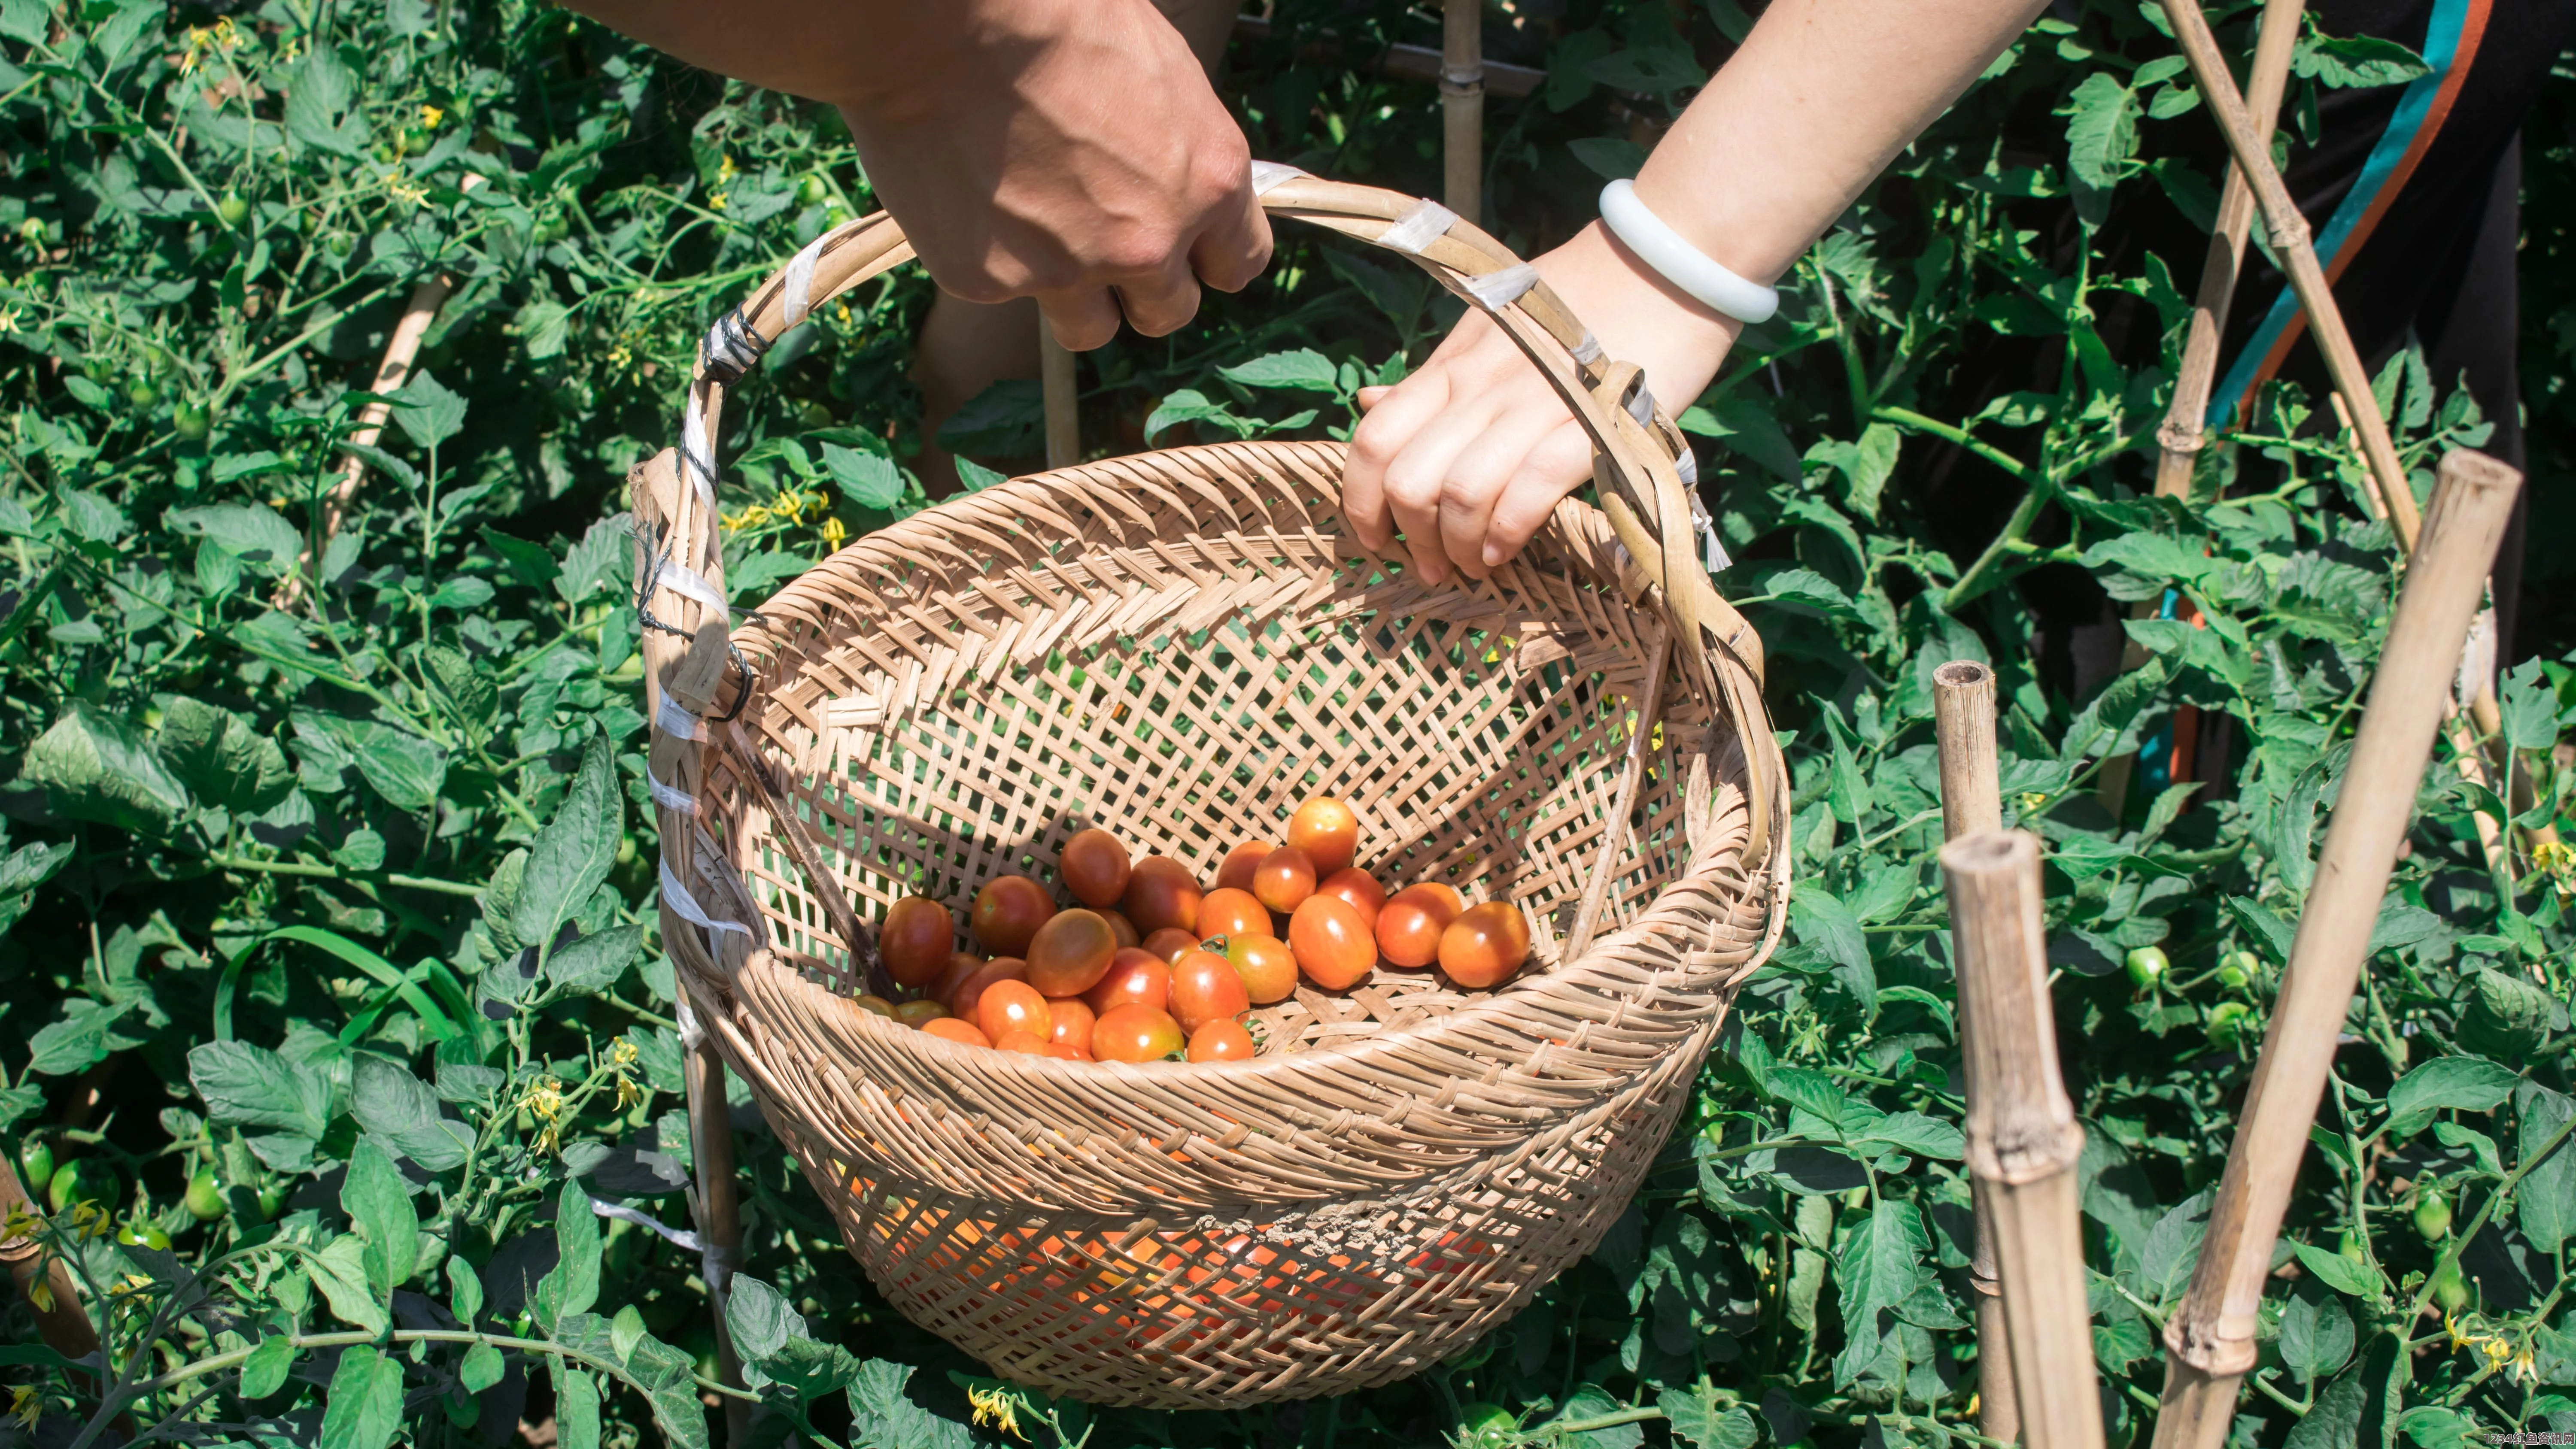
x,y
1614,830
1462,107
42,1279
2210,1339
2023,1141
1063,402
1963,716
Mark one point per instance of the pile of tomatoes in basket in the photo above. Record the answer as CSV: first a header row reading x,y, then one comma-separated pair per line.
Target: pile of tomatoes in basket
x,y
1152,966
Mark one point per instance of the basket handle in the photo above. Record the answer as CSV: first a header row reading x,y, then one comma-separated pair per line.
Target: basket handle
x,y
1641,462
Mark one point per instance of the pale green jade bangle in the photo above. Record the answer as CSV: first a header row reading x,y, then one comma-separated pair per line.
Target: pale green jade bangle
x,y
1680,263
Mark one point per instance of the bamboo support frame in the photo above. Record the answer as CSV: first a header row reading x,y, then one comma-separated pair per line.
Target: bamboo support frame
x,y
1062,399
2210,1339
2023,1140
1462,107
61,1321
1963,714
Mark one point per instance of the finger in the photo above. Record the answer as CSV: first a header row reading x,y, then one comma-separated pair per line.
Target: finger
x,y
1368,396
1419,480
1476,479
1557,465
1081,320
1399,412
1160,304
1236,246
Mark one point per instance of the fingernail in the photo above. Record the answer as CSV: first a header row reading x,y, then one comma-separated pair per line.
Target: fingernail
x,y
1493,556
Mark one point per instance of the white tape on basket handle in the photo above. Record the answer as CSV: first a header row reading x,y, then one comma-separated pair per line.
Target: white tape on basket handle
x,y
1267,176
799,292
1588,351
696,458
1426,223
679,578
686,907
678,723
1498,290
671,799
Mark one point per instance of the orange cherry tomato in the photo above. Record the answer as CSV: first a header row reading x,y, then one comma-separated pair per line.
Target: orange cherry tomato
x,y
1009,1006
1136,1034
1205,988
874,1005
1094,866
1409,926
916,939
962,1032
1431,890
1230,913
918,1014
1221,1041
1121,927
1357,887
1267,966
1063,1052
1485,945
1136,978
1161,892
1070,953
1285,879
1241,862
1328,831
1008,911
1026,1043
1171,943
1073,1017
1332,947
970,993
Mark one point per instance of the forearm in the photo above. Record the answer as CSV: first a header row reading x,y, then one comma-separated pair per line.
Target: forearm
x,y
872,56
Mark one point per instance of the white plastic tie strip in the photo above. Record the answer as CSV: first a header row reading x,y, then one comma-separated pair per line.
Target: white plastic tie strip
x,y
679,1238
1268,176
696,458
1498,290
800,281
1686,463
671,799
678,723
686,907
1426,223
679,578
1588,351
1641,405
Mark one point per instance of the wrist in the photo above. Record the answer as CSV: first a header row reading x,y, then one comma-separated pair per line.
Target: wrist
x,y
1639,316
936,57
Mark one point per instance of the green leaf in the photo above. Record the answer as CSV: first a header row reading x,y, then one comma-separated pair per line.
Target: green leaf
x,y
2506,1016
1189,405
576,1408
2464,1084
95,766
465,1292
866,479
221,759
1001,421
77,1042
401,1109
340,1270
250,1086
2316,1337
2338,1272
1821,920
1745,422
603,557
2335,1423
379,1203
1698,1418
1592,1402
1882,1264
625,1331
1613,158
573,1283
573,853
482,1367
1865,465
2359,60
1923,1136
2529,708
2546,1199
253,533
428,411
364,1406
264,1372
320,93
593,963
1304,370
2101,137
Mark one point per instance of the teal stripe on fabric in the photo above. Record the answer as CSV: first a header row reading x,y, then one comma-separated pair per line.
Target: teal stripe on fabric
x,y
2441,48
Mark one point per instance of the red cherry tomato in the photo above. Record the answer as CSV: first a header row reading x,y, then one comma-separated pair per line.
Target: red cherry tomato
x,y
1205,988
1072,1017
1230,913
916,939
1094,866
1328,831
955,1030
1161,892
1221,1041
1241,862
1172,943
1070,953
1409,927
1357,887
1121,927
1009,1006
1026,1043
1136,1034
970,993
961,964
1332,947
1285,879
1136,978
1267,966
1008,911
1485,945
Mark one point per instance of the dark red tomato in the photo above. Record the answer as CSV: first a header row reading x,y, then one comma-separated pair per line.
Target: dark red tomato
x,y
1170,944
1267,966
1205,988
916,940
1241,862
1285,879
1009,1006
1408,929
1328,831
1357,887
1095,867
1008,911
1070,953
955,1030
1221,1041
1136,1034
919,1014
1485,945
1136,978
1161,892
1072,1017
1229,913
1026,1043
970,993
1332,947
961,964
1121,927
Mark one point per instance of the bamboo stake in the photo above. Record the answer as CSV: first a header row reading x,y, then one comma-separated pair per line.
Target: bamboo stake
x,y
2210,1339
1063,402
1963,715
1462,107
2023,1140
1614,830
60,1319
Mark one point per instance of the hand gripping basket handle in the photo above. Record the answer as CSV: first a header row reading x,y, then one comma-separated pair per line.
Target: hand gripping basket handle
x,y
1639,458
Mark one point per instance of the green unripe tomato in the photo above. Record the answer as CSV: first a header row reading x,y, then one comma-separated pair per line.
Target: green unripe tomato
x,y
232,210
270,1199
339,244
142,392
205,1198
2432,1214
2237,968
191,421
1482,1424
81,1180
626,850
416,140
142,1235
2353,1248
2450,1289
35,1165
836,215
2230,1022
811,191
553,228
32,232
2147,966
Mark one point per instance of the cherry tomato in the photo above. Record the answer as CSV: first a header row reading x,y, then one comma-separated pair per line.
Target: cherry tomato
x,y
1357,887
1285,879
1205,988
1230,913
916,940
1171,943
1221,1041
1122,928
1241,862
874,1005
1095,868
1009,1006
1409,926
918,1014
1485,945
961,964
1070,953
955,1030
1332,947
1008,911
968,1002
1267,966
1063,1052
1328,831
1136,978
1136,1034
1026,1043
1072,1017
1161,892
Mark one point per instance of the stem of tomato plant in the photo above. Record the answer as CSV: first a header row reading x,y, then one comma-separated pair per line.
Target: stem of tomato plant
x,y
1955,436
325,872
1979,575
2486,1210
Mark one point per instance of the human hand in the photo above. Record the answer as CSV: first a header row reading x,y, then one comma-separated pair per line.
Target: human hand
x,y
1467,457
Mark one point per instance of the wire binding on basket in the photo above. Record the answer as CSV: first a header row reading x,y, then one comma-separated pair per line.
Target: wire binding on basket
x,y
731,348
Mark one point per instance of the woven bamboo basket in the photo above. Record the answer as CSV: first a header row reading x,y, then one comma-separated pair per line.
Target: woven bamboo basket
x,y
1180,646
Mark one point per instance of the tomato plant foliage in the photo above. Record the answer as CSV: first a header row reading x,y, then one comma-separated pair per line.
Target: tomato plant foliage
x,y
337,1035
